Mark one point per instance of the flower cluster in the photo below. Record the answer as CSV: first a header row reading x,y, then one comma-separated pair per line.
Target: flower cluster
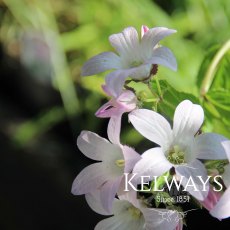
x,y
137,188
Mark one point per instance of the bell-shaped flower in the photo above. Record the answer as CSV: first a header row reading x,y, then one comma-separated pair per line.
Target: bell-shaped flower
x,y
130,213
106,175
116,106
135,57
180,147
222,208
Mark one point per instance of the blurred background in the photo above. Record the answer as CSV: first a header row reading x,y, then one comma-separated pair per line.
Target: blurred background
x,y
45,103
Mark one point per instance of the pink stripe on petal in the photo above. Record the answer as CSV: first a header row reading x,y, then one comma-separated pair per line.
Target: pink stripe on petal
x,y
211,199
105,110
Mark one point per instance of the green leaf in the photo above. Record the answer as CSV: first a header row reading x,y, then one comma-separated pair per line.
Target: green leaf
x,y
220,127
220,98
214,84
218,104
170,98
221,79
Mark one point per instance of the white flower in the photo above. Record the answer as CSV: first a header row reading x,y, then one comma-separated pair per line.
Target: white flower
x,y
135,57
106,175
222,208
131,213
180,147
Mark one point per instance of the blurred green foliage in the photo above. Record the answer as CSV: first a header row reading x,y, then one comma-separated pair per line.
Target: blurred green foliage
x,y
75,30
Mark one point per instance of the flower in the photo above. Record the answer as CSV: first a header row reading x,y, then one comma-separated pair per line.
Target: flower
x,y
131,213
106,175
119,104
135,57
222,208
180,147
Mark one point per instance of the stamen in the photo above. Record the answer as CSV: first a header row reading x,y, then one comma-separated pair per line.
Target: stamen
x,y
120,163
176,156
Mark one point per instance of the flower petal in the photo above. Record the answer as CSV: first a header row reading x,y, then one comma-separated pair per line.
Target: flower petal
x,y
152,37
222,210
210,146
94,202
131,197
131,158
211,200
114,128
108,192
141,72
125,43
115,82
120,206
163,56
188,118
95,147
100,63
123,221
160,219
127,100
180,225
113,223
226,175
152,126
89,179
106,89
153,163
116,79
226,145
107,110
193,170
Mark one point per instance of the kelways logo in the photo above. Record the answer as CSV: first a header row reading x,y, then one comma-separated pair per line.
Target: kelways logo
x,y
194,183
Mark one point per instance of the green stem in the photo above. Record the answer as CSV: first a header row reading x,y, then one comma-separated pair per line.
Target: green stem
x,y
151,90
159,87
210,74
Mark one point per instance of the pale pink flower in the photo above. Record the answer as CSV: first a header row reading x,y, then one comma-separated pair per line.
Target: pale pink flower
x,y
106,175
115,107
135,56
180,147
222,208
118,104
130,213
